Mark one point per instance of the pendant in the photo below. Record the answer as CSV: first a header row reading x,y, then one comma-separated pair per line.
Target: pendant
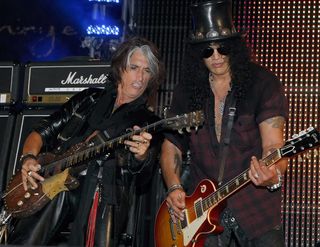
x,y
221,107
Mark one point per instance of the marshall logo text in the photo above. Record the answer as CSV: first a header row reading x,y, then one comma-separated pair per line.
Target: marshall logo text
x,y
80,80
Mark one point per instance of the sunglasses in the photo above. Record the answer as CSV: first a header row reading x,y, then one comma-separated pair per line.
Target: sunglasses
x,y
207,52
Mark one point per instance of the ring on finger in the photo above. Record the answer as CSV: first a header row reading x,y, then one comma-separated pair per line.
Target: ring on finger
x,y
256,175
29,173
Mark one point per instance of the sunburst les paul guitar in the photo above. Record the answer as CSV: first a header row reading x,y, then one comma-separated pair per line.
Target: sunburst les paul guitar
x,y
204,206
58,170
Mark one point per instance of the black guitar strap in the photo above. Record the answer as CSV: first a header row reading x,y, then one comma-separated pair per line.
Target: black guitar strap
x,y
224,144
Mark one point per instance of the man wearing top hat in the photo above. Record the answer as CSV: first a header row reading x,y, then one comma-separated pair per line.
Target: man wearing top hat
x,y
245,111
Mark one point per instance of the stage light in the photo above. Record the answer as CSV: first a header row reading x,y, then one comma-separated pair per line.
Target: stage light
x,y
102,25
105,30
105,1
104,19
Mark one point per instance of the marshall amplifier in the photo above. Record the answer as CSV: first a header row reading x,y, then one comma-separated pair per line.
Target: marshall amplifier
x,y
9,77
54,83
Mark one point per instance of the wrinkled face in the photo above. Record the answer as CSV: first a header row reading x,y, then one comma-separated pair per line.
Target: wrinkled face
x,y
135,78
217,63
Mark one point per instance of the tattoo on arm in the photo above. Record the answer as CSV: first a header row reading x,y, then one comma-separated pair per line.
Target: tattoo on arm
x,y
276,122
177,163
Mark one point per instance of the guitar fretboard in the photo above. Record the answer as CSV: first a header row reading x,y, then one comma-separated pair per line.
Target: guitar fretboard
x,y
233,185
87,152
92,152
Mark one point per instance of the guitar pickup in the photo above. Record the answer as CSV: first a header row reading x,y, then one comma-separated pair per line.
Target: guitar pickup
x,y
198,208
184,222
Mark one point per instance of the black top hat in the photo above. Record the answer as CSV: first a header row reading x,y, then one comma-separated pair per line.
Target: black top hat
x,y
212,21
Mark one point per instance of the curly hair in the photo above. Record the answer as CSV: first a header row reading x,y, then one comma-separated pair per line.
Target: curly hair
x,y
195,73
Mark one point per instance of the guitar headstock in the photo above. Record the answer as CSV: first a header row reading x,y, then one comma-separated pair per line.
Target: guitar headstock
x,y
305,140
185,121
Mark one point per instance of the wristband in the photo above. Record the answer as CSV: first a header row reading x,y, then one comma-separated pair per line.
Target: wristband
x,y
277,185
23,157
174,187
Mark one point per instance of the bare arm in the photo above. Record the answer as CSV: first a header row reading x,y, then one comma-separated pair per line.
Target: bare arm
x,y
32,144
271,131
171,162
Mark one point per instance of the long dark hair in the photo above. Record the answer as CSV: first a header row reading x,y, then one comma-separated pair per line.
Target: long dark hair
x,y
195,73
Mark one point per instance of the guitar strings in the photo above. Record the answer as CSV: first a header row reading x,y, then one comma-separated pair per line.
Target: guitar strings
x,y
234,181
85,154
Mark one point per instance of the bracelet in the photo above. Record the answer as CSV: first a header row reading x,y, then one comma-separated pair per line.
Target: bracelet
x,y
277,185
23,157
174,187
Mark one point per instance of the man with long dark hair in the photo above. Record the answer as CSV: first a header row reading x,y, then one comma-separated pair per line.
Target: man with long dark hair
x,y
245,111
96,213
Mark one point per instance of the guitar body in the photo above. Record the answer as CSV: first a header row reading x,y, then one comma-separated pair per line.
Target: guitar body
x,y
197,224
21,203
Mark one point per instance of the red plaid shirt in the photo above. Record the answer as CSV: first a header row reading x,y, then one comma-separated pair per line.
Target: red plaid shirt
x,y
256,209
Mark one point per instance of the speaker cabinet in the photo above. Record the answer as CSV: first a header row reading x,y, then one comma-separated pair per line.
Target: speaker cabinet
x,y
7,123
23,126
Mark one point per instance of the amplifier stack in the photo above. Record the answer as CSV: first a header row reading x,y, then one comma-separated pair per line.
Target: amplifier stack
x,y
33,91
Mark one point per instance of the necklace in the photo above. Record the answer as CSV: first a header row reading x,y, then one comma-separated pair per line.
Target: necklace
x,y
221,101
221,106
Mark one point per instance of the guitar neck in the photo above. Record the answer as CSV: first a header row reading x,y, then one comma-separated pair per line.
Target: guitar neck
x,y
236,183
91,152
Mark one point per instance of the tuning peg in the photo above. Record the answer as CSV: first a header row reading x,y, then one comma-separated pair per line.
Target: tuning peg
x,y
301,133
188,129
196,128
310,128
315,152
165,112
180,131
308,155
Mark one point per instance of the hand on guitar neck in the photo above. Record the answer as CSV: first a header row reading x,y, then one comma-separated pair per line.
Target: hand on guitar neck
x,y
262,175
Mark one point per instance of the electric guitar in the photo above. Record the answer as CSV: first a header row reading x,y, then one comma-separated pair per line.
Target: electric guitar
x,y
57,168
204,206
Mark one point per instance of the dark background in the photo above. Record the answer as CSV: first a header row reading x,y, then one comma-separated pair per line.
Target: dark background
x,y
43,30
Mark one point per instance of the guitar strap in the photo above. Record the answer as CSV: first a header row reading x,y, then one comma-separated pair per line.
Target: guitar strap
x,y
224,144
